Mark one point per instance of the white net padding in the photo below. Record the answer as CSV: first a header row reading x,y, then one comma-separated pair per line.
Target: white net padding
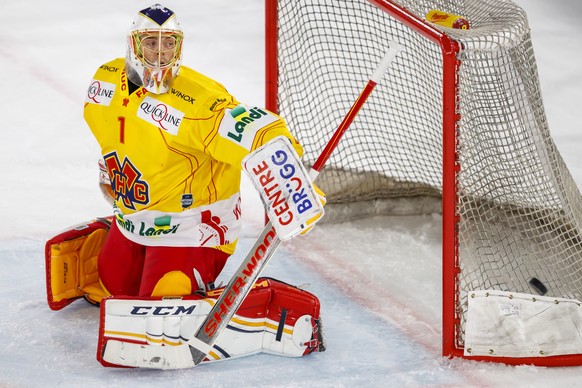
x,y
519,209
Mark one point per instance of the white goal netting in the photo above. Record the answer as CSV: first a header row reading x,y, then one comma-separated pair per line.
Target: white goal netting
x,y
519,211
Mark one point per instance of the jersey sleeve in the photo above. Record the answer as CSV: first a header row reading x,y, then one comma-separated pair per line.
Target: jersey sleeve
x,y
238,129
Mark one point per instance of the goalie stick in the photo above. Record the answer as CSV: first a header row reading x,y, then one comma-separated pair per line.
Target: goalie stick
x,y
198,347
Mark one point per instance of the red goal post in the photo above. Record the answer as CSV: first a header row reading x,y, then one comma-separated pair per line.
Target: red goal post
x,y
467,105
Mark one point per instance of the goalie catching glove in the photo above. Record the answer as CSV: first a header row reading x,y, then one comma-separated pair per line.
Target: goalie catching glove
x,y
71,264
292,202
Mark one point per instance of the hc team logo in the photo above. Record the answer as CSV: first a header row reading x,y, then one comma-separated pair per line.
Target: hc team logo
x,y
125,181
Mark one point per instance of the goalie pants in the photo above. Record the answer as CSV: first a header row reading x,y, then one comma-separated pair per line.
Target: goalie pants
x,y
128,268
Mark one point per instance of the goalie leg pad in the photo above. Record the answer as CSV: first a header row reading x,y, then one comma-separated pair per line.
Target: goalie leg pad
x,y
275,318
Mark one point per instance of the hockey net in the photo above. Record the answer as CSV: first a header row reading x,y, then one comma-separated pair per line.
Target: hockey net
x,y
458,119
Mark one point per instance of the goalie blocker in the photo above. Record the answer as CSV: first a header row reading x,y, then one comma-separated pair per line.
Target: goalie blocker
x,y
292,202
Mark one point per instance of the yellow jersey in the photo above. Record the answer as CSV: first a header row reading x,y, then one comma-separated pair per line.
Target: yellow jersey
x,y
174,159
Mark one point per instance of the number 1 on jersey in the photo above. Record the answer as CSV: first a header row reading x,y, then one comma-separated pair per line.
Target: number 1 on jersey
x,y
121,120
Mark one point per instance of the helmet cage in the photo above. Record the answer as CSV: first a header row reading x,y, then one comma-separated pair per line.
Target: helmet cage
x,y
157,49
154,57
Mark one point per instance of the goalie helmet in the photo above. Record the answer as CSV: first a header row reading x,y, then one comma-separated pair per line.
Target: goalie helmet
x,y
154,49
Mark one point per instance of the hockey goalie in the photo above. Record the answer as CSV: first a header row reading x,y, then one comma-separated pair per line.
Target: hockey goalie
x,y
174,144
